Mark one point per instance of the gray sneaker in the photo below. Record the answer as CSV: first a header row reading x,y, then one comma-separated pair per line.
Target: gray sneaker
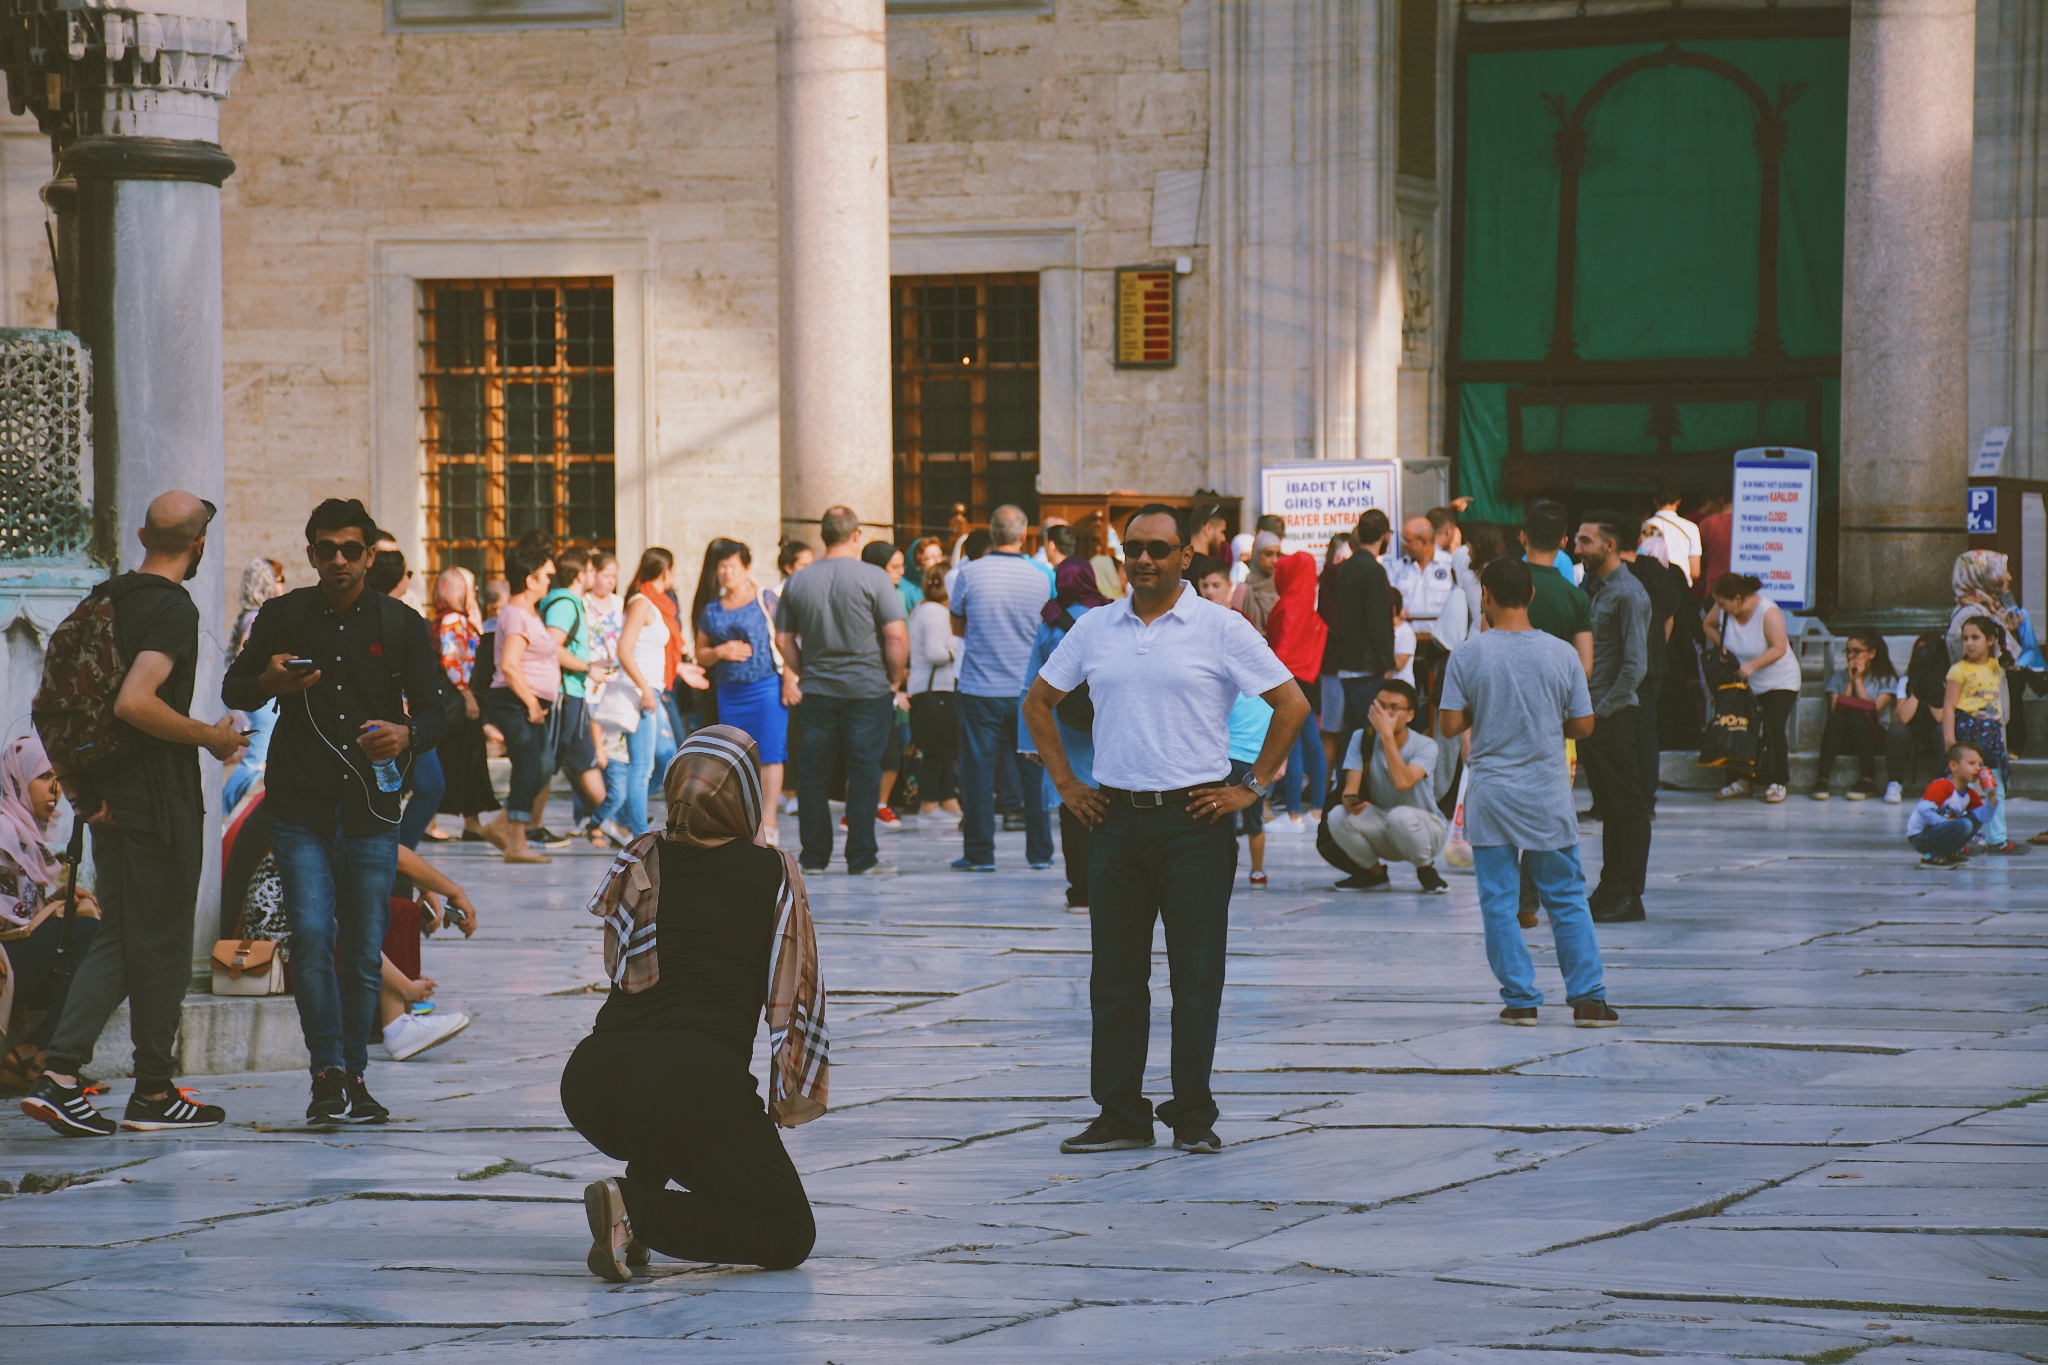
x,y
873,870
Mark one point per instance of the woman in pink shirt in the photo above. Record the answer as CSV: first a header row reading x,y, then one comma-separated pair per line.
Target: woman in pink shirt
x,y
526,680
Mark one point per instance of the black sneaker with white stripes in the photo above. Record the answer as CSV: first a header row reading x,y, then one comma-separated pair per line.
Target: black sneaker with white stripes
x,y
171,1111
362,1105
329,1106
66,1109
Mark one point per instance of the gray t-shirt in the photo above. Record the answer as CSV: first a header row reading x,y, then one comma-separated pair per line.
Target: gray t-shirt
x,y
1379,783
1519,687
836,608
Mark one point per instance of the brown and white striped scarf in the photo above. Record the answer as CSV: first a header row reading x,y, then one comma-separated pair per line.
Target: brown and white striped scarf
x,y
714,797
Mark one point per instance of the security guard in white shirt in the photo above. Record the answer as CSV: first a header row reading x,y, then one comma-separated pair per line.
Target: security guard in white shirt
x,y
1163,668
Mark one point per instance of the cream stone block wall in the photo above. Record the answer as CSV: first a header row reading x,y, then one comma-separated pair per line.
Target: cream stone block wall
x,y
346,137
663,131
1065,121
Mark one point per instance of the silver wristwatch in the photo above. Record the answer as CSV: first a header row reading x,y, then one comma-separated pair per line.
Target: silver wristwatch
x,y
1252,784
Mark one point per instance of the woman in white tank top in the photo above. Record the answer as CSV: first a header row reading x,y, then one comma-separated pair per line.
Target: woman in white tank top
x,y
1751,627
643,658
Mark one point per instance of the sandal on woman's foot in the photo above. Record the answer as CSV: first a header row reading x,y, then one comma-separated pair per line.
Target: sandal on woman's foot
x,y
1775,792
2041,838
604,1204
1258,879
527,856
18,1070
1733,791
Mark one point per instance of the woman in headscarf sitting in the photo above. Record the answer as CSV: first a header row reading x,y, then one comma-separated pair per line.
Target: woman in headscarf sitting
x,y
31,905
1254,597
1076,592
705,930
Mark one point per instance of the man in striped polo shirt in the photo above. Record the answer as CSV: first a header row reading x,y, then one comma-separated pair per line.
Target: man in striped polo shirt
x,y
995,607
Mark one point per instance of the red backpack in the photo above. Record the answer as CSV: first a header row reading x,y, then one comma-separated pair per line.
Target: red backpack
x,y
82,674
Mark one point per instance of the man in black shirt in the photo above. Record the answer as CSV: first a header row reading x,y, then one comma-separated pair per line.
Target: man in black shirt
x,y
148,840
348,730
1360,613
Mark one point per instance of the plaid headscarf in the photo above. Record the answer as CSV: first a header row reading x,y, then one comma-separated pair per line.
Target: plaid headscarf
x,y
714,797
1980,580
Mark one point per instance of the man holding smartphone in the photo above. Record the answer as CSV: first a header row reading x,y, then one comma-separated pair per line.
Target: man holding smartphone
x,y
359,683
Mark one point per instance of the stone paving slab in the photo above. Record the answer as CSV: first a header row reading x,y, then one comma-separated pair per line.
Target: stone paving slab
x,y
1821,1132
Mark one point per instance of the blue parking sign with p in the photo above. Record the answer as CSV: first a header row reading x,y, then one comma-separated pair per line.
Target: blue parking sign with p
x,y
1982,512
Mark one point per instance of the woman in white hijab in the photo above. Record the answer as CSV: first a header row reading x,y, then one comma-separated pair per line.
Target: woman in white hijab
x,y
1240,557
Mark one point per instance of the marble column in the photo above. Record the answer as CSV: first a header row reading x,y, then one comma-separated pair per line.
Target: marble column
x,y
130,96
2009,233
1905,306
1306,331
832,126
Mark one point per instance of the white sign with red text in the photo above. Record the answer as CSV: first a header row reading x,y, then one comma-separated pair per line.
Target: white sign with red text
x,y
1777,491
1319,499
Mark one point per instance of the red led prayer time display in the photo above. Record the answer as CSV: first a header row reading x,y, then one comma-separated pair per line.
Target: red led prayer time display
x,y
1145,317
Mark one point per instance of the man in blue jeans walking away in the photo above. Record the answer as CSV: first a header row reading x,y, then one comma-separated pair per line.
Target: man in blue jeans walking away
x,y
846,652
349,729
996,604
1522,693
1163,668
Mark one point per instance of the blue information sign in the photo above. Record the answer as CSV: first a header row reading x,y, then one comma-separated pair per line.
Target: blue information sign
x,y
1982,512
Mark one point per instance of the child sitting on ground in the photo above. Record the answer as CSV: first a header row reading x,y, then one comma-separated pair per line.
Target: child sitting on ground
x,y
1390,808
1953,809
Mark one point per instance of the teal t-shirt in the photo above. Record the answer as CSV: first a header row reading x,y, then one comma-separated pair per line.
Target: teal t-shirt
x,y
1249,720
563,610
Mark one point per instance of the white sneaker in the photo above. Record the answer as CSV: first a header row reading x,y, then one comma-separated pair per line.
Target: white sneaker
x,y
1892,794
411,1034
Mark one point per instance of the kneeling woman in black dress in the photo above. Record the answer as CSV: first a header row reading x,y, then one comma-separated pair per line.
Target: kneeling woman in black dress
x,y
704,931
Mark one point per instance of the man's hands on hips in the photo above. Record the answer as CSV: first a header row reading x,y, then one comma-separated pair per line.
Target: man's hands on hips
x,y
1213,803
1088,803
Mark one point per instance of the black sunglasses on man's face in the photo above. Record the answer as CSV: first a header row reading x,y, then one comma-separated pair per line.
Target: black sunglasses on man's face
x,y
351,550
1155,550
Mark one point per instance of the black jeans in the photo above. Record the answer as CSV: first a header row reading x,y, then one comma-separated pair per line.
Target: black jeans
x,y
1615,777
1773,747
1146,866
148,887
1856,732
34,960
1649,749
681,1106
855,729
1075,841
935,730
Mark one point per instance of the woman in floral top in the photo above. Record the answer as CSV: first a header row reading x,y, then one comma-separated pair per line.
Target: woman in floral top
x,y
462,748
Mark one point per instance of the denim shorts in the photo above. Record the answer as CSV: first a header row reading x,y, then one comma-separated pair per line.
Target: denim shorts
x,y
1252,819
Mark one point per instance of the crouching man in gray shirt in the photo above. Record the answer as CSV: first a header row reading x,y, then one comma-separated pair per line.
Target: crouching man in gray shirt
x,y
1522,694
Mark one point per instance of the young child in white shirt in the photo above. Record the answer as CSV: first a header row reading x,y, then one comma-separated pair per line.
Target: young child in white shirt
x,y
1404,640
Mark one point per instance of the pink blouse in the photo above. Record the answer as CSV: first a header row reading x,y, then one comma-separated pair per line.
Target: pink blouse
x,y
538,664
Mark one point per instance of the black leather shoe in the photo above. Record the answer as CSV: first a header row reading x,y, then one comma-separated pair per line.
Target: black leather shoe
x,y
1372,879
1624,911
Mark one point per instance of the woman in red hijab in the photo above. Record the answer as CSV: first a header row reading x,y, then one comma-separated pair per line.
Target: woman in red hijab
x,y
1297,635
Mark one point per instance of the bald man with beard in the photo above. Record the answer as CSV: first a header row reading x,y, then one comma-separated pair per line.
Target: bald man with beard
x,y
148,830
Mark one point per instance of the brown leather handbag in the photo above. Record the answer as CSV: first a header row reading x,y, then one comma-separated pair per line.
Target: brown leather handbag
x,y
247,967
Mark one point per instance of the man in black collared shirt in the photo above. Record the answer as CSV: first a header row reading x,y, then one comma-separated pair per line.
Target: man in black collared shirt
x,y
371,700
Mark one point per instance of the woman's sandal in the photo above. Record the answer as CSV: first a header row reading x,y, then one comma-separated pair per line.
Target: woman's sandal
x,y
1258,879
2041,838
17,1070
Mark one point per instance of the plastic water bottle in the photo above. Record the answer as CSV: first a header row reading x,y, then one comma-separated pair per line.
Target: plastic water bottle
x,y
388,777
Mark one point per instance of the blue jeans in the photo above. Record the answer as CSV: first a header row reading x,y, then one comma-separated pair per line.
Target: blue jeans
x,y
337,897
1561,889
1144,866
629,808
857,730
429,785
988,725
1307,779
1944,837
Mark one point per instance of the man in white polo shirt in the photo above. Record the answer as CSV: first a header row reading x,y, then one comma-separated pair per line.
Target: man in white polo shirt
x,y
1163,667
995,606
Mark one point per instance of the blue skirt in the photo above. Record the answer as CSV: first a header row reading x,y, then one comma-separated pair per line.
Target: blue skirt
x,y
757,708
